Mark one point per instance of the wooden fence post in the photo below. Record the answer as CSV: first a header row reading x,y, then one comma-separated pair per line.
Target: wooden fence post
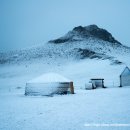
x,y
71,88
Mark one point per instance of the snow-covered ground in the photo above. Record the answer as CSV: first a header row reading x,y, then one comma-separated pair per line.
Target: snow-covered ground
x,y
63,112
67,112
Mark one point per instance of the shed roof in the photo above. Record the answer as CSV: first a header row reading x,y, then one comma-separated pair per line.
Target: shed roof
x,y
126,71
97,79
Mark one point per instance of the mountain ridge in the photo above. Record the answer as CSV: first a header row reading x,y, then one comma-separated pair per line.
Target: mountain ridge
x,y
79,43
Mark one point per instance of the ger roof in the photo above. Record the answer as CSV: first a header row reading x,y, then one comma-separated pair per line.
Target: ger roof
x,y
49,78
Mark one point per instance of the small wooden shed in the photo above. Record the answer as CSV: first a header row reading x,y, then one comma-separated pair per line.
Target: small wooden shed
x,y
97,82
125,77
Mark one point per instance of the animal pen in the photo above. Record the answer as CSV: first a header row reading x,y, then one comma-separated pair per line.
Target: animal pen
x,y
98,82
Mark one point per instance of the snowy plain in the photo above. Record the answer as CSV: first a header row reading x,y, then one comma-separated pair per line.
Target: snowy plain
x,y
64,112
67,111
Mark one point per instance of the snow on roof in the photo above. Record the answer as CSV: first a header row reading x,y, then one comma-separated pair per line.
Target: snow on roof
x,y
49,78
126,71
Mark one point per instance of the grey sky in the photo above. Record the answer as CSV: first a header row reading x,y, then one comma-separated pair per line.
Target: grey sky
x,y
24,23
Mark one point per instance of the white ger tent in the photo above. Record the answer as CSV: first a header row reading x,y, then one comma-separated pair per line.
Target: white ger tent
x,y
47,84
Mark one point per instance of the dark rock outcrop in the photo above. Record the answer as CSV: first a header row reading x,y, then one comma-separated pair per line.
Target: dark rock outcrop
x,y
92,31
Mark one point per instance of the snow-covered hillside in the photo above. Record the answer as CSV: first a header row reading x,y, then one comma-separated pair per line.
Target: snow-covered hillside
x,y
80,43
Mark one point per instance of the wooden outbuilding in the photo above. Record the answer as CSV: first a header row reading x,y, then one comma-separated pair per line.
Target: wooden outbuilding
x,y
97,82
125,77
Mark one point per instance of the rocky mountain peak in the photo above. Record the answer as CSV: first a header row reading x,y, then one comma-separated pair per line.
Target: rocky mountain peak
x,y
86,32
87,28
96,32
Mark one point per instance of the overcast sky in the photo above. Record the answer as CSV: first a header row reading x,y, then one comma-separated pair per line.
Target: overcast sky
x,y
24,23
